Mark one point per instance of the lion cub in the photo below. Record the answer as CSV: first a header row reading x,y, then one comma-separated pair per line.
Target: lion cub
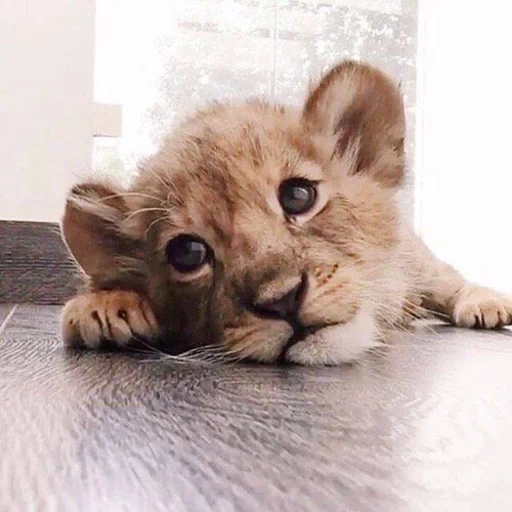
x,y
271,233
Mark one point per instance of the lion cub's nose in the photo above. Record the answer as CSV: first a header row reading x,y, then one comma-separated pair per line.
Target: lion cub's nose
x,y
285,304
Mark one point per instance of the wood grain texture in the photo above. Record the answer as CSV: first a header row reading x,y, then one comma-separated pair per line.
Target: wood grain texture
x,y
426,425
34,264
5,312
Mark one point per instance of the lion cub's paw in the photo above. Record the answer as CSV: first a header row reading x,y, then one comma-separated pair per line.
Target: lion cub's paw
x,y
481,308
119,317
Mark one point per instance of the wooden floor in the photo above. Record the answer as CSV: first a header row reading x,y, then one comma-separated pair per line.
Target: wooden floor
x,y
427,425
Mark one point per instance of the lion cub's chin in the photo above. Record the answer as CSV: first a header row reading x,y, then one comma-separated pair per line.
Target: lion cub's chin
x,y
337,344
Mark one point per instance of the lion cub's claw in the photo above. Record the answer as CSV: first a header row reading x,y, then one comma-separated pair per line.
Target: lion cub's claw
x,y
119,317
481,308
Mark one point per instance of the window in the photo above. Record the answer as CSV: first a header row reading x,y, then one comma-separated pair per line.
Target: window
x,y
162,59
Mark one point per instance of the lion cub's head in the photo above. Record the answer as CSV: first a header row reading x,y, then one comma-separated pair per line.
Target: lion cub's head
x,y
270,231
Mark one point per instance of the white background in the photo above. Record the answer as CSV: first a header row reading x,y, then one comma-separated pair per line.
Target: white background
x,y
464,136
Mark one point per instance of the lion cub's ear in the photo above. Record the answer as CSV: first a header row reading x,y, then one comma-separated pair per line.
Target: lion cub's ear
x,y
362,109
93,229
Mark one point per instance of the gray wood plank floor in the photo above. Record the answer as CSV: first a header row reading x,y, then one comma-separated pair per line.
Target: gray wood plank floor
x,y
426,425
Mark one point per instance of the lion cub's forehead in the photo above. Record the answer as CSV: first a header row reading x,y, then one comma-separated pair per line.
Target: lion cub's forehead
x,y
226,164
245,145
244,142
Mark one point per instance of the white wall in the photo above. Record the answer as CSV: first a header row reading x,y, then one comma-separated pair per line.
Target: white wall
x,y
464,164
46,95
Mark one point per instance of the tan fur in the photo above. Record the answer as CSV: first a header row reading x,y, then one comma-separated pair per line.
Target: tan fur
x,y
217,176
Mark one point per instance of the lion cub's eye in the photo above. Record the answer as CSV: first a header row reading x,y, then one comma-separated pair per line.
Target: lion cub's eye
x,y
187,253
297,195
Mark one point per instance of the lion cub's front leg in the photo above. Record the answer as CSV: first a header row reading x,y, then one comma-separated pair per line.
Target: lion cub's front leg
x,y
464,304
115,316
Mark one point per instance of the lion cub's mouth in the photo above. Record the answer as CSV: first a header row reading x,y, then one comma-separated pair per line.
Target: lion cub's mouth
x,y
300,333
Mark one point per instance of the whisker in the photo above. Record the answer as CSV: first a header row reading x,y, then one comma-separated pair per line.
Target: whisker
x,y
129,194
149,168
143,210
159,219
194,355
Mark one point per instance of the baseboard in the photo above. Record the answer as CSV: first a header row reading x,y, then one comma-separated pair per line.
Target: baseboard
x,y
34,264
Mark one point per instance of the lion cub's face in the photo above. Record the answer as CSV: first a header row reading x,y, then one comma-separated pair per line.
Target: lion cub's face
x,y
270,231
